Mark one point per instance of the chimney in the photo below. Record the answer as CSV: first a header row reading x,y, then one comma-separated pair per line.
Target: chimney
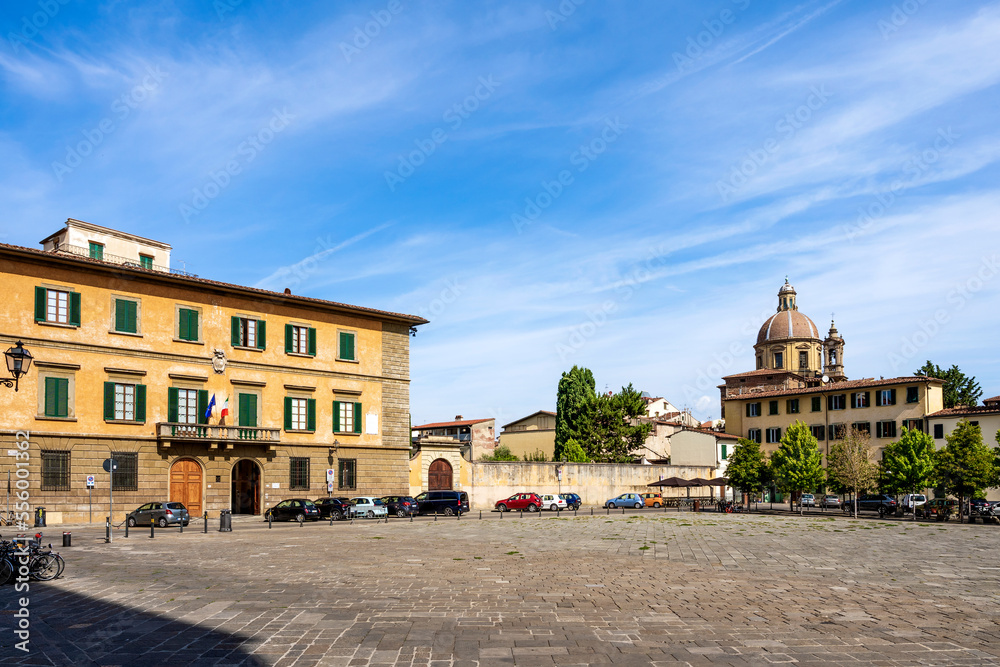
x,y
458,418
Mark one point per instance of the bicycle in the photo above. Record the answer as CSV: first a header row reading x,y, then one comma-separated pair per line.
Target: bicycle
x,y
43,565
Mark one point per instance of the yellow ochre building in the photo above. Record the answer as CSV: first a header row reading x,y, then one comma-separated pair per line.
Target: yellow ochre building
x,y
129,353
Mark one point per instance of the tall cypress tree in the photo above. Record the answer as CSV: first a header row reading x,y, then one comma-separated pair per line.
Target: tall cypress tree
x,y
575,398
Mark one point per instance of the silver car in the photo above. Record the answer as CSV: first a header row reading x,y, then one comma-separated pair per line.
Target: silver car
x,y
163,514
830,500
368,507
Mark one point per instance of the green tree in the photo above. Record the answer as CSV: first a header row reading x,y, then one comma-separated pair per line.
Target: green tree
x,y
747,468
908,464
573,452
614,432
575,399
500,453
537,455
965,466
797,465
958,388
850,464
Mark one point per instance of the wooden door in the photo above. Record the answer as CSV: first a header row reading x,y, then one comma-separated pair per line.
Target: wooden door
x,y
439,476
185,485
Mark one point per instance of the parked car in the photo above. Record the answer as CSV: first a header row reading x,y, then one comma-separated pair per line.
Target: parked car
x,y
162,513
807,500
652,499
873,502
332,508
626,500
448,503
911,499
519,501
573,501
293,509
401,506
979,506
368,507
550,501
939,509
830,500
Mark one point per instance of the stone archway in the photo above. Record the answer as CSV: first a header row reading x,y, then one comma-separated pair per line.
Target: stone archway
x,y
439,476
245,494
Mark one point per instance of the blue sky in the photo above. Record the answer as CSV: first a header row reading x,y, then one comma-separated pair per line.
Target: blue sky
x,y
620,186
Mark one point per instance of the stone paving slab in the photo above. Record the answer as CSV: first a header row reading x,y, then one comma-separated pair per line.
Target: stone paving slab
x,y
640,589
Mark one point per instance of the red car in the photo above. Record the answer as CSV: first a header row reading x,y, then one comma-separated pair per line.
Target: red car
x,y
520,501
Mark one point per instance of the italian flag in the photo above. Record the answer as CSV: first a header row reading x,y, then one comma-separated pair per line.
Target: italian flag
x,y
224,412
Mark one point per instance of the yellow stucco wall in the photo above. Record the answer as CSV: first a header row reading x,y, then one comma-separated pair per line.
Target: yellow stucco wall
x,y
528,442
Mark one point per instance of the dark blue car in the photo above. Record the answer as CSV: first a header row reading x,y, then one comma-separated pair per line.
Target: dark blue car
x,y
573,501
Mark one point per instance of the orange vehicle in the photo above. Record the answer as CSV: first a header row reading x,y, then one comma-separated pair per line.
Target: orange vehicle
x,y
653,499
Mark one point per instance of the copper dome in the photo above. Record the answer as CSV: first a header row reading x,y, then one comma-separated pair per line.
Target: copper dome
x,y
787,324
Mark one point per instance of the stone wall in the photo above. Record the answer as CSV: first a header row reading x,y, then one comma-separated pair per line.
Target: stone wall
x,y
594,482
395,385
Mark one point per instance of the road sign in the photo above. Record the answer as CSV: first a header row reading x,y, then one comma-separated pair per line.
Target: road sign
x,y
329,487
329,475
110,464
90,481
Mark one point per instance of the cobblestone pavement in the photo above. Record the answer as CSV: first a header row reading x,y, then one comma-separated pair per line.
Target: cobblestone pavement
x,y
646,589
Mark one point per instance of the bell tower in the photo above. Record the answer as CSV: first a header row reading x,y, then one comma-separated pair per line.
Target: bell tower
x,y
833,355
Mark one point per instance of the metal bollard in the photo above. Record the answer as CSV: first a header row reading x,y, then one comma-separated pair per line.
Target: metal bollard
x,y
501,515
301,522
67,539
205,527
107,530
520,514
591,511
458,515
152,527
480,515
331,518
623,511
269,518
182,527
126,527
411,517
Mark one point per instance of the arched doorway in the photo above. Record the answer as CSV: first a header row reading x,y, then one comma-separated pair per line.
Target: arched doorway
x,y
246,488
439,476
185,485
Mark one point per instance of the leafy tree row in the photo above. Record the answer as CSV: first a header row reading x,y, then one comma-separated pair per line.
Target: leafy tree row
x,y
965,467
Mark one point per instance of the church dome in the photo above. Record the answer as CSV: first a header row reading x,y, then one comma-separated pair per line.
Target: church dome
x,y
788,322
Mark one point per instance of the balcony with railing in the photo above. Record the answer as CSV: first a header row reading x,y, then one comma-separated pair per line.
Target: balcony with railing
x,y
117,259
216,435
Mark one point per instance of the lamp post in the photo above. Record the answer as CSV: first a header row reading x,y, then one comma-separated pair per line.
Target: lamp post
x,y
18,363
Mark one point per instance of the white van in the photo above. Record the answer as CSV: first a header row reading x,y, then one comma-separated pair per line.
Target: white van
x,y
911,500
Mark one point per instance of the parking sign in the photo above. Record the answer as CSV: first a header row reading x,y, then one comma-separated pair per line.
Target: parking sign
x,y
90,481
329,475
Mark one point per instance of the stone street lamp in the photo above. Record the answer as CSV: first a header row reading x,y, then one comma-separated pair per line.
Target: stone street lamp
x,y
18,363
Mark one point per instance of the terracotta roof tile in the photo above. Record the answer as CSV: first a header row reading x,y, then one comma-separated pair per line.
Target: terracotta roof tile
x,y
833,387
464,422
413,320
966,411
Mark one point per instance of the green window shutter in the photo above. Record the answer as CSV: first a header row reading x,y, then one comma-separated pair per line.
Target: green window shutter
x,y
829,403
193,324
172,401
336,416
892,397
778,434
261,335
723,452
312,341
41,296
140,402
202,406
288,338
182,323
74,308
50,397
310,414
357,417
288,413
347,346
109,400
241,403
252,410
60,397
132,308
748,409
867,399
235,331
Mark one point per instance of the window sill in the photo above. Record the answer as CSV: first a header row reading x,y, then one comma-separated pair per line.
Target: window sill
x,y
247,349
300,354
349,361
46,418
131,422
345,433
189,342
124,333
298,430
58,325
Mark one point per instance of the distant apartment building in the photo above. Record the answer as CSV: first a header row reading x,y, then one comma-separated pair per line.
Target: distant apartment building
x,y
986,416
477,434
531,434
129,354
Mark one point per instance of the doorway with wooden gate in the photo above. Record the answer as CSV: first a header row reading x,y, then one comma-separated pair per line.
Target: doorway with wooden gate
x,y
186,479
439,476
246,487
